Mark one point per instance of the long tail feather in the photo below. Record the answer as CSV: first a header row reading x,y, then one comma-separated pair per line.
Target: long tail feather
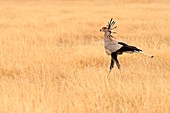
x,y
141,52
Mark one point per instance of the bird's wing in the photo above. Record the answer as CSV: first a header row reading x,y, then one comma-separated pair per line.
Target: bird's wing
x,y
113,46
122,43
108,52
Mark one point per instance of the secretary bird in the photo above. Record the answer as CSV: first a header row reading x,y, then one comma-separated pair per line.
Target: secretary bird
x,y
115,48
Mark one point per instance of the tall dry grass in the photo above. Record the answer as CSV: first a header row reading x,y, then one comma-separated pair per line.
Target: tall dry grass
x,y
52,58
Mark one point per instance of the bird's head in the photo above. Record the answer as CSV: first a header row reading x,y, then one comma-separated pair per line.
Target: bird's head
x,y
104,29
109,26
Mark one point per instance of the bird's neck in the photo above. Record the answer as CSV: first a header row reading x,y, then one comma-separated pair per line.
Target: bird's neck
x,y
107,36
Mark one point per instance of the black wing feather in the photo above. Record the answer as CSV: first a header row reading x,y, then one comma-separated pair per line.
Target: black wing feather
x,y
122,43
127,48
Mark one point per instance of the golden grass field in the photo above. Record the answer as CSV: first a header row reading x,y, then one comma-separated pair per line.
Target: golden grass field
x,y
52,58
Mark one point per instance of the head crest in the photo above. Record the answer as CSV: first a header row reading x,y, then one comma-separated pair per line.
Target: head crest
x,y
111,23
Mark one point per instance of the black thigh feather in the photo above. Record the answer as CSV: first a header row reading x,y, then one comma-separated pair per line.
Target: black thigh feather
x,y
114,57
112,63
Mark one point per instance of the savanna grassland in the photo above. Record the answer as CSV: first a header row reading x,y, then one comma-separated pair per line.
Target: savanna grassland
x,y
52,58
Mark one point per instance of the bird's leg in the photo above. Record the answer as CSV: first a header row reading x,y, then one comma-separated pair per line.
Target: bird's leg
x,y
111,66
141,52
121,73
116,60
108,74
117,63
